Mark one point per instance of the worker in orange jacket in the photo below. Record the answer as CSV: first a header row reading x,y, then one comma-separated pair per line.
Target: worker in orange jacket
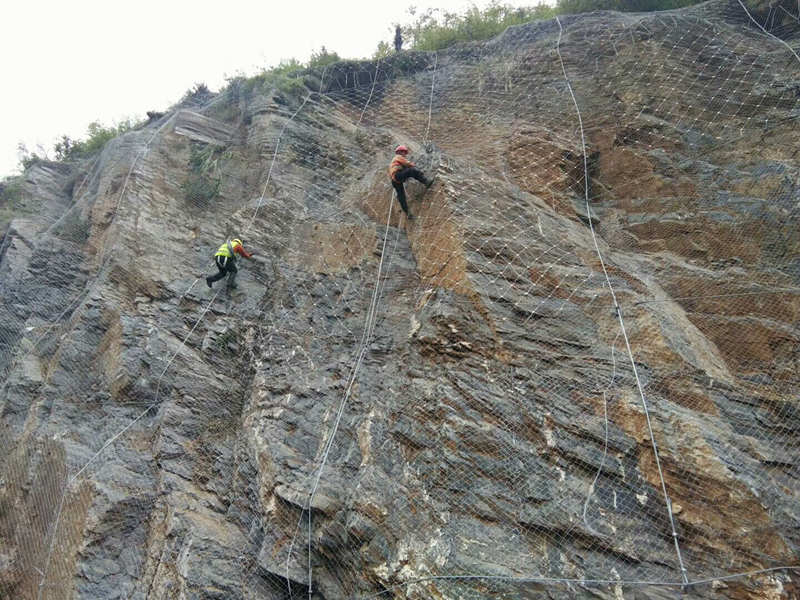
x,y
402,169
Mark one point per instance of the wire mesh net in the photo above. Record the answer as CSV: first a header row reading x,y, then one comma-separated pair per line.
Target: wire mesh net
x,y
577,366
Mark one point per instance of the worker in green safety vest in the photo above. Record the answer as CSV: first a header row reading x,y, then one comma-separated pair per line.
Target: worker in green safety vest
x,y
225,259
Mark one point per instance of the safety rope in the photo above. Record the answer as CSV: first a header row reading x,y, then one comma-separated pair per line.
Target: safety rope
x,y
605,441
112,439
369,328
83,294
619,311
371,91
583,582
366,335
272,163
766,292
430,102
790,14
744,8
72,479
392,254
365,338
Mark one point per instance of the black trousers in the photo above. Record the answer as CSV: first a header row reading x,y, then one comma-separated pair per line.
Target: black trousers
x,y
400,177
226,266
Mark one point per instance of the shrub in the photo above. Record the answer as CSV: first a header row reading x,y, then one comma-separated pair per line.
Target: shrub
x,y
382,51
322,58
12,201
199,94
97,137
203,182
27,158
435,29
579,6
286,78
10,191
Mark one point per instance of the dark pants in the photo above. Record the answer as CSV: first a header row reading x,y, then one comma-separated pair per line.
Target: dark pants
x,y
226,266
400,177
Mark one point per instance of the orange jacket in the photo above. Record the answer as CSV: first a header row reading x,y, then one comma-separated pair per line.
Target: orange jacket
x,y
398,162
239,249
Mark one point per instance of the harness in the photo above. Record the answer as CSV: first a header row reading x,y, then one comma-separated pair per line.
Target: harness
x,y
222,258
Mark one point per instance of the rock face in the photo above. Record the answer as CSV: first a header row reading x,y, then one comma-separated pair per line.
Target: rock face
x,y
510,397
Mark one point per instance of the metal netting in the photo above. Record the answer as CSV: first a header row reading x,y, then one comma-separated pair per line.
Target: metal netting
x,y
576,368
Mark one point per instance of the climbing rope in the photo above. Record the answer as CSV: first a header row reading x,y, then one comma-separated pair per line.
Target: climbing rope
x,y
430,102
272,163
143,152
619,311
605,439
762,293
583,582
773,36
368,333
371,91
112,439
361,352
85,293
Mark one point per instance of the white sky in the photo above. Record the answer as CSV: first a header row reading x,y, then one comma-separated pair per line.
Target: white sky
x,y
64,64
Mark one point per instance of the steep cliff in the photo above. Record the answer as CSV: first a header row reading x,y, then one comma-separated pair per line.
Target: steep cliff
x,y
539,388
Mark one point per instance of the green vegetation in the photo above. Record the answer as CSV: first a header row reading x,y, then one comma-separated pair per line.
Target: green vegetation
x,y
437,29
203,183
433,29
10,191
12,200
286,78
28,158
322,58
73,227
382,51
229,337
69,149
97,135
579,6
199,94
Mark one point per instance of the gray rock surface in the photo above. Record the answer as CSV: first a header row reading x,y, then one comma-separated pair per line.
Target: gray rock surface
x,y
437,409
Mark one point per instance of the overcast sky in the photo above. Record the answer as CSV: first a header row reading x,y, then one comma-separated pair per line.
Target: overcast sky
x,y
68,63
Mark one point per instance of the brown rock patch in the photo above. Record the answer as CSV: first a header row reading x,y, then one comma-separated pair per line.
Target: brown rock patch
x,y
333,248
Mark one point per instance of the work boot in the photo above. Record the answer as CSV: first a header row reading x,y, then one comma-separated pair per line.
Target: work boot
x,y
208,282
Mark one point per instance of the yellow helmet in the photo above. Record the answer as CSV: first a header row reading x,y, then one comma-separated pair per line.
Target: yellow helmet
x,y
236,241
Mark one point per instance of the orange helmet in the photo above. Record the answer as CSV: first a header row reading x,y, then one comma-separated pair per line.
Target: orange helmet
x,y
401,150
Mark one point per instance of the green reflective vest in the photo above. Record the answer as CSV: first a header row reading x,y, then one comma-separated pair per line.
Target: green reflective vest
x,y
226,250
